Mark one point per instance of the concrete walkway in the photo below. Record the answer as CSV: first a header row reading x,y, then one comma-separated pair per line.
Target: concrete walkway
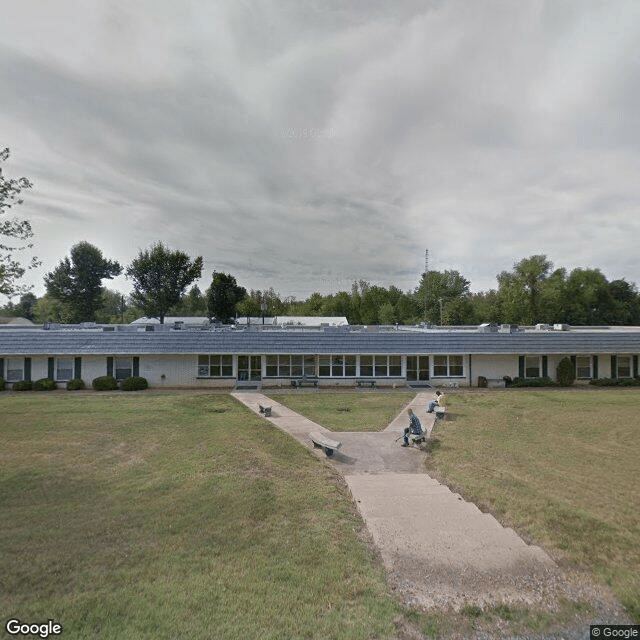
x,y
438,549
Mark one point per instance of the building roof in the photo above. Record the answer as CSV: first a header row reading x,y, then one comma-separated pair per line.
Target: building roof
x,y
166,339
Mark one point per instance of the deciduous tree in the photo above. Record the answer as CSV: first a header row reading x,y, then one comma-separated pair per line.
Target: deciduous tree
x,y
160,277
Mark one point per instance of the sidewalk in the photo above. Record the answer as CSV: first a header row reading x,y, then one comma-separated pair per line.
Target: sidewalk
x,y
438,550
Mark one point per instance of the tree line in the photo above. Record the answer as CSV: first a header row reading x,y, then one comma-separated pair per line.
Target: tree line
x,y
162,280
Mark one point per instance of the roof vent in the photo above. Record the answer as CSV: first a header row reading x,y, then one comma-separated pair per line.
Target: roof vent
x,y
561,327
542,327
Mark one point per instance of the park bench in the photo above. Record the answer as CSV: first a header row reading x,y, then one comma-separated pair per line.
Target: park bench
x,y
264,409
361,382
329,446
304,380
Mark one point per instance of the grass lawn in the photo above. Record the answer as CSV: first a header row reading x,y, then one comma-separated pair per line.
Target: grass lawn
x,y
347,411
560,466
177,516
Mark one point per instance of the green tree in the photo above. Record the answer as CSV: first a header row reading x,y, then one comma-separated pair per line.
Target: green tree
x,y
223,295
437,291
77,281
14,233
160,277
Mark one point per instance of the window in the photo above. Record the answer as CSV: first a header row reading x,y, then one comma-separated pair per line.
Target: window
x,y
384,366
285,366
366,366
64,369
215,366
448,366
15,369
532,366
338,366
583,367
124,367
624,367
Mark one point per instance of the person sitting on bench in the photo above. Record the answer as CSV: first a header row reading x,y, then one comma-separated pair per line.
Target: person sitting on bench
x,y
435,403
415,427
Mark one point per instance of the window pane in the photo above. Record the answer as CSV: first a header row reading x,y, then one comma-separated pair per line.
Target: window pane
x,y
440,366
324,365
309,365
624,366
15,371
455,365
532,367
203,360
366,365
380,366
583,367
350,366
395,365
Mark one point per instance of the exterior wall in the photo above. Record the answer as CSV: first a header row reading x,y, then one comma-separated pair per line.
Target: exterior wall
x,y
493,367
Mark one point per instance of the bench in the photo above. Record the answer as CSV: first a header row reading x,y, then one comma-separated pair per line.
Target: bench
x,y
265,410
329,446
309,380
440,411
362,382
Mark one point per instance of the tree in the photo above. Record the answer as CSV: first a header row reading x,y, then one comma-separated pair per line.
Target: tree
x,y
439,290
160,277
77,281
223,295
13,230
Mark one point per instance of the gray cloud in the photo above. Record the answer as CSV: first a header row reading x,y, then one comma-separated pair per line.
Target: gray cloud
x,y
308,146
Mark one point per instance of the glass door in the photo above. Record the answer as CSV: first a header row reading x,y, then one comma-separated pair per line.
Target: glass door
x,y
249,368
417,368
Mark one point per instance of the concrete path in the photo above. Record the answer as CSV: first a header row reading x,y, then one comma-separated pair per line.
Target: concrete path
x,y
438,549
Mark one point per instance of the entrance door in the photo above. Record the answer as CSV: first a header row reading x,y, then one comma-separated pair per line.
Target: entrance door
x,y
249,368
417,368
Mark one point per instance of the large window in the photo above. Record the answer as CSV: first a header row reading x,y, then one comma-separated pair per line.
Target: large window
x,y
337,366
215,366
624,367
583,367
124,367
447,366
532,366
381,366
64,369
294,366
15,369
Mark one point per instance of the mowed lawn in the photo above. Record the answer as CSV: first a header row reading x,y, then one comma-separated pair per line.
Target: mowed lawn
x,y
560,466
176,515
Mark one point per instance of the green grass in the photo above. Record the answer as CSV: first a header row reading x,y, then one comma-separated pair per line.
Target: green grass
x,y
177,516
347,411
559,466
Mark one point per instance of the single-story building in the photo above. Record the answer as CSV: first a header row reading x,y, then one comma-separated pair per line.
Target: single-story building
x,y
203,355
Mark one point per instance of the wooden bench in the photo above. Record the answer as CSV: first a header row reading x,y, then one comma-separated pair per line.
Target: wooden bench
x,y
329,446
309,380
440,411
265,410
362,382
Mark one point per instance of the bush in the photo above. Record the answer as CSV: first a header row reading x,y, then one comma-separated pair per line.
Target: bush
x,y
3,384
565,373
23,385
75,384
134,383
615,382
105,383
45,384
533,382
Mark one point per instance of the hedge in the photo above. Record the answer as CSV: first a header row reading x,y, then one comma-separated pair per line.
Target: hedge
x,y
45,384
134,383
105,383
75,384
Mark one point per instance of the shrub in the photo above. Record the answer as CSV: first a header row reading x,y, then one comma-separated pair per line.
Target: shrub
x,y
615,382
134,383
76,384
105,383
22,385
565,373
3,384
533,382
45,384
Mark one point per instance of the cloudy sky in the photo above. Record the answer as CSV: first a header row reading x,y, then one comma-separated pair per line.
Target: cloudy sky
x,y
305,144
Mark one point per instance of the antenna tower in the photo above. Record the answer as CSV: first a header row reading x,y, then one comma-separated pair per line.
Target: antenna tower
x,y
426,262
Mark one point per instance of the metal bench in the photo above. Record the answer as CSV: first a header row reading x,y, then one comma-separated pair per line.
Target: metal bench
x,y
305,380
361,382
329,446
265,410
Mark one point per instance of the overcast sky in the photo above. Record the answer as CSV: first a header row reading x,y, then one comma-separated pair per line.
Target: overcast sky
x,y
305,144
